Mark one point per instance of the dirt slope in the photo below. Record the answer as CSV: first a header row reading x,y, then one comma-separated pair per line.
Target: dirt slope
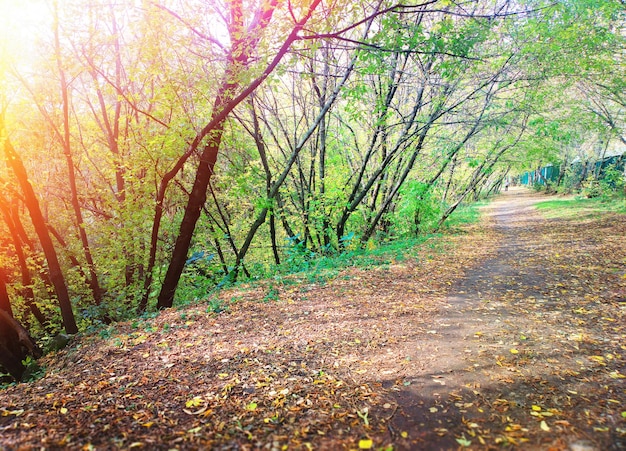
x,y
512,338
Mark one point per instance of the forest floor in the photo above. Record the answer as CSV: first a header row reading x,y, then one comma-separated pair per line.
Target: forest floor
x,y
508,334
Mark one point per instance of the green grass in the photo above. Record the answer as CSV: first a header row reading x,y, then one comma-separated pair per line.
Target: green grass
x,y
580,208
319,269
465,214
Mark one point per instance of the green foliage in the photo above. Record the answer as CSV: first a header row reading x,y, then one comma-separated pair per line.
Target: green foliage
x,y
299,257
610,184
33,370
201,275
216,305
612,181
272,294
537,186
418,209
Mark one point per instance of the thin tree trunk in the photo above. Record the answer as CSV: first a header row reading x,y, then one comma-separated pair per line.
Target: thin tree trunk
x,y
64,137
260,145
5,304
479,174
27,290
56,274
244,42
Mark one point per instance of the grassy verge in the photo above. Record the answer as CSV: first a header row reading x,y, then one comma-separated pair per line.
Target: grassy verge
x,y
307,267
580,208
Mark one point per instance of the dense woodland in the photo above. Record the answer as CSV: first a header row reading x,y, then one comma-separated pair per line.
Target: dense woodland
x,y
155,150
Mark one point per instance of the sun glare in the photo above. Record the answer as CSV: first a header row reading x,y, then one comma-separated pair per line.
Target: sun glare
x,y
21,21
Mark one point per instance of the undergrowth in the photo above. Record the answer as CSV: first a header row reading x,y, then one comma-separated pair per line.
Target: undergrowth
x,y
305,267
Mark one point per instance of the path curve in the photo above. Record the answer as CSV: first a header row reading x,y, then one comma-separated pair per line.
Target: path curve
x,y
509,354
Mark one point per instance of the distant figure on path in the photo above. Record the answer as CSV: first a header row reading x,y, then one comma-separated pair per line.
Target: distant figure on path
x,y
506,185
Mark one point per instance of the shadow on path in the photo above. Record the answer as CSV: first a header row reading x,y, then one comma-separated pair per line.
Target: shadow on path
x,y
506,361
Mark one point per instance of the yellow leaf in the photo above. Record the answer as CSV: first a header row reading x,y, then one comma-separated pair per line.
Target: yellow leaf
x,y
365,444
405,434
514,351
63,410
194,402
536,408
433,409
544,426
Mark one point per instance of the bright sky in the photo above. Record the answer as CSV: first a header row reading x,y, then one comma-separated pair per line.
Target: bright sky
x,y
20,22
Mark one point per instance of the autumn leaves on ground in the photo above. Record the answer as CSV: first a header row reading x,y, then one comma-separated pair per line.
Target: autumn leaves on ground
x,y
507,334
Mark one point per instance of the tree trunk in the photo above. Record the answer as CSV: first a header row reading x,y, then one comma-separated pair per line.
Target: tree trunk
x,y
196,201
15,345
27,290
244,42
64,138
5,304
32,203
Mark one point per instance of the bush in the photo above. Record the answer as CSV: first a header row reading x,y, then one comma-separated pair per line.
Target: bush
x,y
611,183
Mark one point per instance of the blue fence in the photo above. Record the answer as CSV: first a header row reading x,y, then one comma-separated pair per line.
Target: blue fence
x,y
539,176
579,171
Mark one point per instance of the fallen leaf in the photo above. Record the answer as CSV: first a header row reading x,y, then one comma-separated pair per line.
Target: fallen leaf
x,y
194,402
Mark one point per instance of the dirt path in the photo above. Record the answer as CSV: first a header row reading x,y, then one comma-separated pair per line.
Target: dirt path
x,y
512,338
529,349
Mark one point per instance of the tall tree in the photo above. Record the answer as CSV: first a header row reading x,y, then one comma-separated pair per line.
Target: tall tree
x,y
32,203
244,42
